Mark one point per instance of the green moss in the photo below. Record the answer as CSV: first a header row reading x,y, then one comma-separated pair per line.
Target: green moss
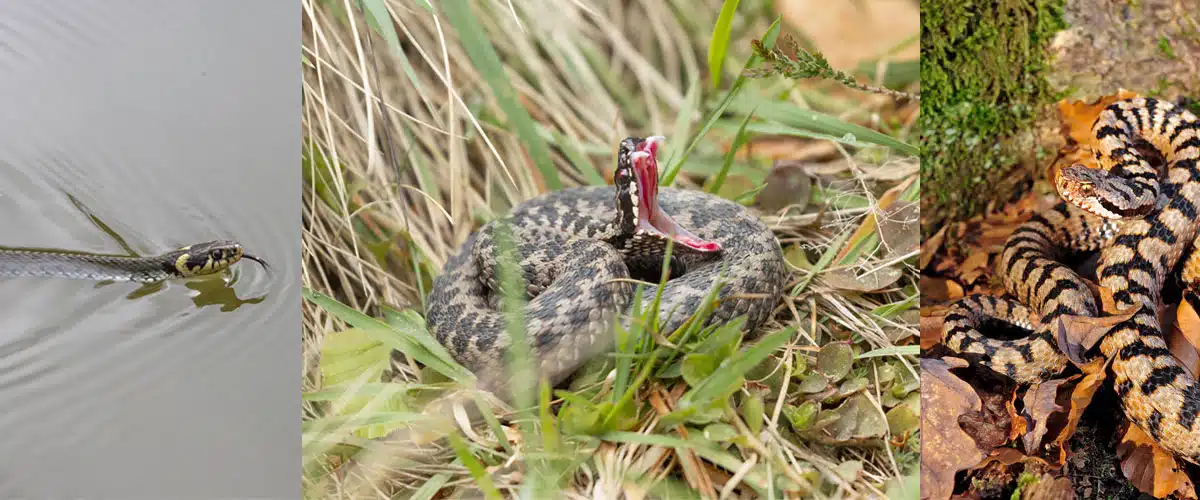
x,y
982,66
1164,45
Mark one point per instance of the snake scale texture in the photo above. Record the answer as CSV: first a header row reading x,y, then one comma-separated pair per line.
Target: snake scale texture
x,y
1142,223
190,261
577,250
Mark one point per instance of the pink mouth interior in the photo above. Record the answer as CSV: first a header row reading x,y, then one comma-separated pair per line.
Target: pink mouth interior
x,y
651,216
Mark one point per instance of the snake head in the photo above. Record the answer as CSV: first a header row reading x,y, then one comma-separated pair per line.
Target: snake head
x,y
638,210
1096,191
209,258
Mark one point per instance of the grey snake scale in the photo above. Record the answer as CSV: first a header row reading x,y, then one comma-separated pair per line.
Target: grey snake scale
x,y
577,250
193,260
1142,222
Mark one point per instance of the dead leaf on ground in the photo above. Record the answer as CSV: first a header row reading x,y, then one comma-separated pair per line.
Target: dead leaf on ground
x,y
992,425
1151,469
1184,339
1076,335
975,267
1077,117
1012,456
899,228
1049,488
946,447
938,290
1081,397
845,279
932,319
931,246
1041,401
787,186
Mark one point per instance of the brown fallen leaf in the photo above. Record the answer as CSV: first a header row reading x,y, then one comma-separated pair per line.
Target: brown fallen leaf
x,y
992,425
1040,403
1081,396
932,318
899,228
946,448
1020,424
1048,487
975,267
1184,337
931,246
1076,335
787,185
1151,469
938,290
1077,117
846,279
1013,456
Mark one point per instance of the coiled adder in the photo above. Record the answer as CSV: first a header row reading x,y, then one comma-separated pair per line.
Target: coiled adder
x,y
1142,226
577,250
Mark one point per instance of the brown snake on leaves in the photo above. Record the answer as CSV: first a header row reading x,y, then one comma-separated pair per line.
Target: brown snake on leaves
x,y
576,250
1142,226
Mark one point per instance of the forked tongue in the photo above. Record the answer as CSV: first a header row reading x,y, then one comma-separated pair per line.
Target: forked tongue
x,y
651,216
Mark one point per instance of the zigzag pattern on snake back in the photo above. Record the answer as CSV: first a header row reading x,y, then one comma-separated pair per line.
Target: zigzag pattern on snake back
x,y
1031,269
575,249
1156,393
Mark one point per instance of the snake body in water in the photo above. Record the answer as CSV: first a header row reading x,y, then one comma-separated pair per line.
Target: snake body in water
x,y
190,261
1142,226
577,251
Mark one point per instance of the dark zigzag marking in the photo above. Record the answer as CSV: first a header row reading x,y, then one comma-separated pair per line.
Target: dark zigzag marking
x,y
1138,349
1177,129
1063,286
1159,377
1122,389
1192,142
1154,425
1026,352
1124,114
1060,310
1107,131
1151,112
1191,406
1124,152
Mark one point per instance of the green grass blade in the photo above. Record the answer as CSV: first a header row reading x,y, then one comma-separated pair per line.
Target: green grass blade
x,y
487,61
719,44
806,119
768,41
431,487
738,140
474,467
415,342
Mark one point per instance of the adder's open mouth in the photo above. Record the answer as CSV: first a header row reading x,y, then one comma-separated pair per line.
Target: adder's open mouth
x,y
651,217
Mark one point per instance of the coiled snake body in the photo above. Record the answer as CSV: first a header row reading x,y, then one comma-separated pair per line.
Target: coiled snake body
x,y
577,249
194,260
1142,227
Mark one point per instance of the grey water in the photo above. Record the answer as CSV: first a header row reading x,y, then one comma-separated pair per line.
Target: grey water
x,y
139,127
